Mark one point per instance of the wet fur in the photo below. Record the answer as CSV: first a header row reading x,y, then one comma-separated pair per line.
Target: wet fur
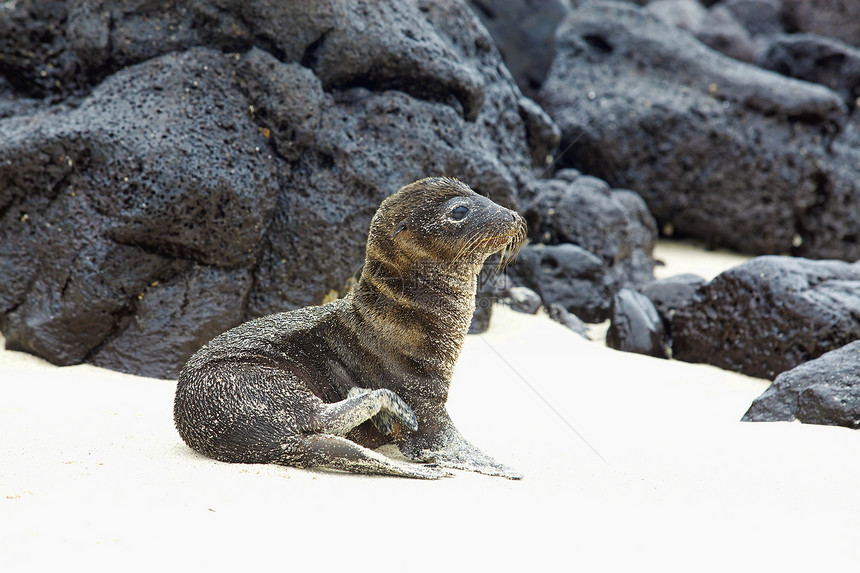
x,y
320,386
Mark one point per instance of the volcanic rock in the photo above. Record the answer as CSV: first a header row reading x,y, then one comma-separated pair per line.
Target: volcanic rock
x,y
670,294
524,32
636,326
817,59
560,314
822,391
769,315
720,150
838,19
523,299
169,170
613,224
568,275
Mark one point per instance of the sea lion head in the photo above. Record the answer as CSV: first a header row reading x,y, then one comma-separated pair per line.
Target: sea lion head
x,y
440,219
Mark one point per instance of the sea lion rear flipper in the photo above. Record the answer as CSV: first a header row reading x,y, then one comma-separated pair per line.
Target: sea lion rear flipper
x,y
337,453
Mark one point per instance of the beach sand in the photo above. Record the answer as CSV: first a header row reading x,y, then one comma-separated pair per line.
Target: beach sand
x,y
630,463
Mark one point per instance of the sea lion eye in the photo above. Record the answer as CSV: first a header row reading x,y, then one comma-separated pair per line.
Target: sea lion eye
x,y
457,213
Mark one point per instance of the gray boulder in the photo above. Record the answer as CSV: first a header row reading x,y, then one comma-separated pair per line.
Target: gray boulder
x,y
613,224
686,14
524,32
116,204
720,150
188,166
567,275
720,30
636,326
670,294
523,299
816,59
740,28
572,322
838,19
769,315
822,391
758,17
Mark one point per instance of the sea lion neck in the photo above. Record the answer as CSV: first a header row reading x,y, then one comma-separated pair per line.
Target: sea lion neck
x,y
422,310
416,295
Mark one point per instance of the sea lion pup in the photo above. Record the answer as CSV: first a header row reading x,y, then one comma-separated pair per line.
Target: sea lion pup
x,y
320,386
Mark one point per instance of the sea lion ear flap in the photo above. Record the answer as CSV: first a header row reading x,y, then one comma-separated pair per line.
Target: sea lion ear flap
x,y
401,226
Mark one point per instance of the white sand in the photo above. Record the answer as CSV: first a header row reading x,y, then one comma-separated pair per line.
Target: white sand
x,y
93,475
675,258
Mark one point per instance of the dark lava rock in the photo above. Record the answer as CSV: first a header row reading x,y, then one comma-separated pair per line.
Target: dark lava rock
x,y
12,103
126,195
839,19
758,17
560,314
686,14
523,299
542,133
187,166
720,150
483,312
567,275
671,293
740,28
737,28
816,59
636,326
720,30
822,391
206,302
524,32
613,224
769,315
493,286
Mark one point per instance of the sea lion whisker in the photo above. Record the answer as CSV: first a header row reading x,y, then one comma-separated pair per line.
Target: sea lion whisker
x,y
513,248
469,244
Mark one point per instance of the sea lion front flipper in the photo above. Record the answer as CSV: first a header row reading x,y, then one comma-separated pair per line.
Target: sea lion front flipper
x,y
459,454
470,458
337,453
382,406
446,447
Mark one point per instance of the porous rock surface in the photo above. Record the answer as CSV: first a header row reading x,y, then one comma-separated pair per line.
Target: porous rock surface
x,y
719,29
720,150
168,170
493,286
613,224
839,19
567,275
816,59
770,314
524,32
822,391
671,293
